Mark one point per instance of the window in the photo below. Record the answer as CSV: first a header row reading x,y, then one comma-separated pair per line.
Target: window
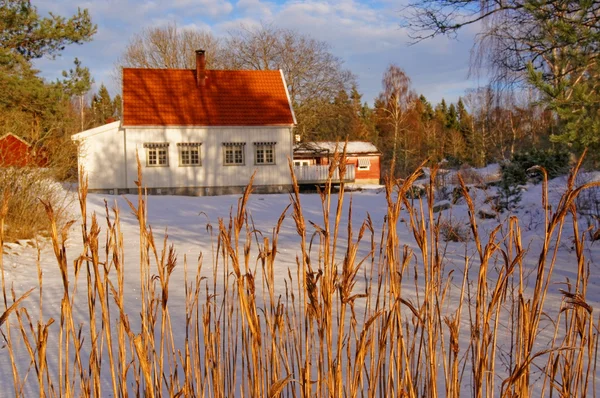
x,y
364,163
157,153
189,153
264,152
233,153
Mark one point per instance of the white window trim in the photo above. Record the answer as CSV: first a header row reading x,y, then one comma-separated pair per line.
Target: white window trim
x,y
187,145
301,163
241,146
264,145
366,164
156,147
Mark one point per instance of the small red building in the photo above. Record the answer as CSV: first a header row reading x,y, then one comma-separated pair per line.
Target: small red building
x,y
364,156
16,152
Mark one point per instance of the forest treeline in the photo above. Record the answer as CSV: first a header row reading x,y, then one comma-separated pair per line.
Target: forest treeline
x,y
539,104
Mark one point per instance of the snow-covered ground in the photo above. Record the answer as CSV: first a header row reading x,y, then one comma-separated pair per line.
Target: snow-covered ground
x,y
187,221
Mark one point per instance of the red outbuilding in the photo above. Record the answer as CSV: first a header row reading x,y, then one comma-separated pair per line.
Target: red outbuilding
x,y
363,161
16,152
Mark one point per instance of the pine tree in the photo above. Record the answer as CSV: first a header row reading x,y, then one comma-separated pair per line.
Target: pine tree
x,y
76,84
24,33
118,105
103,107
465,124
31,107
426,109
452,118
441,112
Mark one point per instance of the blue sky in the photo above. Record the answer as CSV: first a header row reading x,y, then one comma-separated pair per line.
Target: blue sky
x,y
365,34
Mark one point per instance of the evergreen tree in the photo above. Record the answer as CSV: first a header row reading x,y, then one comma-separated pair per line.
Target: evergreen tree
x,y
465,125
441,112
426,109
551,44
76,84
118,105
103,107
30,107
23,32
452,118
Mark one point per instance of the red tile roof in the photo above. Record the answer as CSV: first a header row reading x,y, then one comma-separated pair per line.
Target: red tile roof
x,y
171,97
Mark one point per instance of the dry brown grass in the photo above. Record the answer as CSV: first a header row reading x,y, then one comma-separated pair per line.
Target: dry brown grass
x,y
368,316
26,188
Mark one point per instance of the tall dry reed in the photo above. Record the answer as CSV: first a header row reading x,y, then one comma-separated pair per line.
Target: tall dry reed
x,y
369,315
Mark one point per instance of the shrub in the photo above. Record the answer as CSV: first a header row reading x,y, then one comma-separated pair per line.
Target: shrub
x,y
469,175
416,191
517,172
26,188
453,231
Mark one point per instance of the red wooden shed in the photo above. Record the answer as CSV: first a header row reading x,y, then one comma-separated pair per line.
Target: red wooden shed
x,y
16,152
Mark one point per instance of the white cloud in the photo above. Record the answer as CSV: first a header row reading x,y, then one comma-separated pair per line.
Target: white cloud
x,y
366,35
256,8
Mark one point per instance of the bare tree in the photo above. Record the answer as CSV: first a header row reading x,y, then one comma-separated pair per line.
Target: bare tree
x,y
171,47
480,102
398,100
313,74
168,46
552,45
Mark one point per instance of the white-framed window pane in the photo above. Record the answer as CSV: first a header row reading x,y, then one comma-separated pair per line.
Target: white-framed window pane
x,y
265,154
364,163
195,155
233,154
185,156
189,154
152,160
157,153
162,156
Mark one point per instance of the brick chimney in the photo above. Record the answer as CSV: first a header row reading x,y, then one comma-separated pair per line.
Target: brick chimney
x,y
200,68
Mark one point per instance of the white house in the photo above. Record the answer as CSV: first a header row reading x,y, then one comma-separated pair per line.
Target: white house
x,y
196,132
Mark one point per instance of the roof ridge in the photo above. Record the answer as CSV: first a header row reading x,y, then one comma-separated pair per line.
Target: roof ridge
x,y
172,97
208,70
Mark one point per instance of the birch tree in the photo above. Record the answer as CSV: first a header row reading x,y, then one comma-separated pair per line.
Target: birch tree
x,y
397,101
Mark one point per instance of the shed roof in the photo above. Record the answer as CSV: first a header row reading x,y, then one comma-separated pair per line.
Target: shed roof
x,y
353,147
171,97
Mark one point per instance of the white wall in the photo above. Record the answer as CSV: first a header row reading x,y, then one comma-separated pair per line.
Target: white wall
x,y
212,173
102,158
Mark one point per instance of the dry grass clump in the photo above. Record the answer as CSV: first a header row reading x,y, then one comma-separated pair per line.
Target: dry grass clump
x,y
368,315
470,176
26,189
453,231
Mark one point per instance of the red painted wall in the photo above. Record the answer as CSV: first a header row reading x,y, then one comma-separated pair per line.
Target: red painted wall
x,y
15,153
374,171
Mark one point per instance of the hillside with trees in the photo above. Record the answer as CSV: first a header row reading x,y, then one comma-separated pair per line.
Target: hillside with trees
x,y
534,100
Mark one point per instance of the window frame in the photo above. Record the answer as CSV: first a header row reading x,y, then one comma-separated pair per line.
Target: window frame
x,y
301,163
154,148
265,146
234,147
363,168
189,146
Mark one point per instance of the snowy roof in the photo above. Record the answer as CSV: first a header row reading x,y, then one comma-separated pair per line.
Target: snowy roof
x,y
329,146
